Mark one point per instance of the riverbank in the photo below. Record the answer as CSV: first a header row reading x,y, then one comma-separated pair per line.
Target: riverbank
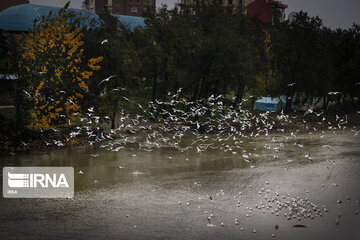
x,y
299,122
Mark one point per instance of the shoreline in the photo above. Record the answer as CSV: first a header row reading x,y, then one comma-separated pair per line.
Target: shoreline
x,y
297,123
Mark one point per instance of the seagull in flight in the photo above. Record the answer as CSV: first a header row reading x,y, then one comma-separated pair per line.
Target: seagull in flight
x,y
119,88
107,79
71,102
334,93
291,84
104,41
27,94
356,133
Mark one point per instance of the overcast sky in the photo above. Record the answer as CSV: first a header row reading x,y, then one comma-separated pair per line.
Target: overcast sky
x,y
335,13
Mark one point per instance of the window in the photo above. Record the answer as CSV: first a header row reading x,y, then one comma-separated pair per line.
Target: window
x,y
230,2
134,9
131,1
137,2
145,2
150,1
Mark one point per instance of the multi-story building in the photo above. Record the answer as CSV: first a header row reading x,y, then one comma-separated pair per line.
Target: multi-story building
x,y
123,7
238,4
4,4
265,10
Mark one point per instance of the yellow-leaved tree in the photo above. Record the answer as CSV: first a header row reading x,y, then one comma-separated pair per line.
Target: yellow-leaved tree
x,y
55,70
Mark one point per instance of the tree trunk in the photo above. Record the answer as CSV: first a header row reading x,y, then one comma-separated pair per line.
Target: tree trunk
x,y
317,101
239,95
206,90
21,117
196,90
114,115
304,100
225,88
201,94
186,89
288,103
153,97
324,107
166,78
166,81
216,87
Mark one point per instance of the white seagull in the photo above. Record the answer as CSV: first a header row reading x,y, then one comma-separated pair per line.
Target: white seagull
x,y
27,94
291,84
107,79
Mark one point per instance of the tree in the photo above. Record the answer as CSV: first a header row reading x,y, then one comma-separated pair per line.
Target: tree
x,y
120,59
55,71
347,51
297,56
204,48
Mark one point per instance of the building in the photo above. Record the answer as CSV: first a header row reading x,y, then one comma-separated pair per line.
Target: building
x,y
21,18
266,10
239,4
122,7
4,4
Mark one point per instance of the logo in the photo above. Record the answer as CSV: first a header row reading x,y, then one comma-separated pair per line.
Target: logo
x,y
38,182
35,180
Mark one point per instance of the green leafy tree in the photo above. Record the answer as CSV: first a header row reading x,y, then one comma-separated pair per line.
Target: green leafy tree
x,y
297,54
120,60
347,50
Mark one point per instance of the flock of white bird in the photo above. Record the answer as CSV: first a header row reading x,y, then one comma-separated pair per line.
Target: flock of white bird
x,y
210,125
207,125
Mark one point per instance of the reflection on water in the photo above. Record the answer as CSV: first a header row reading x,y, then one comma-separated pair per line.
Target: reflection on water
x,y
103,167
152,193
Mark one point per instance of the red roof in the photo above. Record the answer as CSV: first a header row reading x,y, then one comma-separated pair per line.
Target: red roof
x,y
278,4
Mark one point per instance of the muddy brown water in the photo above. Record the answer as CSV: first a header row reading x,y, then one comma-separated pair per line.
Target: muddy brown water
x,y
165,193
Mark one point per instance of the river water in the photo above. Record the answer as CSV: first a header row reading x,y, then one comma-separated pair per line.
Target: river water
x,y
163,193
